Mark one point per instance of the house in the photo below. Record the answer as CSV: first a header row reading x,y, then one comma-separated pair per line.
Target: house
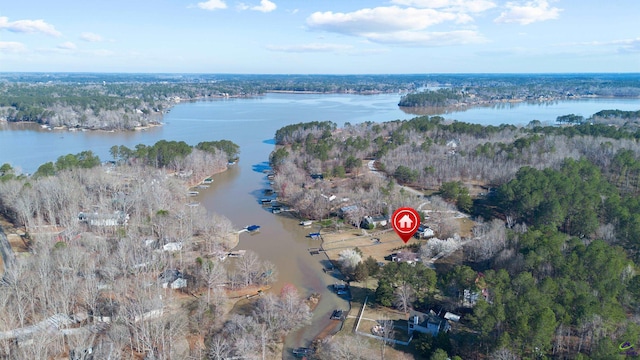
x,y
172,246
405,256
427,323
172,278
97,219
370,222
424,232
346,210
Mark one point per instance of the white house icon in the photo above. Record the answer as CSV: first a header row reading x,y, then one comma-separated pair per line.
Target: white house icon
x,y
405,222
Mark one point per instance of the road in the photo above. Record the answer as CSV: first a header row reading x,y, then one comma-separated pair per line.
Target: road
x,y
373,170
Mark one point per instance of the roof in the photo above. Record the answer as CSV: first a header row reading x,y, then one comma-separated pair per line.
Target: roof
x,y
346,209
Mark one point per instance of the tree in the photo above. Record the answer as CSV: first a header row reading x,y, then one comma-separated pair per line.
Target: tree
x,y
361,272
349,259
439,354
352,163
372,266
277,157
46,169
386,332
405,175
384,293
404,297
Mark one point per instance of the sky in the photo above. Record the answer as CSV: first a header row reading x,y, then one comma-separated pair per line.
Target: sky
x,y
320,36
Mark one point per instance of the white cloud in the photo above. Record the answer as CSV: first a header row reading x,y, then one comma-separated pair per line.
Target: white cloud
x,y
265,6
212,5
28,26
11,47
474,6
68,45
397,25
313,47
91,37
623,45
428,39
529,12
381,20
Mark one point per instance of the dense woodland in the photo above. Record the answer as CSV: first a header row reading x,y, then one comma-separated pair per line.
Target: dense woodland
x,y
556,246
97,279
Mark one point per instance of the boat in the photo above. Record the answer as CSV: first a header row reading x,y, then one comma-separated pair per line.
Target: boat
x,y
302,352
337,314
193,193
314,236
265,201
207,181
306,223
251,228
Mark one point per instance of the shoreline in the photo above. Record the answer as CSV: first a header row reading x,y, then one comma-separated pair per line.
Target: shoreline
x,y
464,106
413,110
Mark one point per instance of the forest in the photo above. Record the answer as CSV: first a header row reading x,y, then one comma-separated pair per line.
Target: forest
x,y
555,248
115,262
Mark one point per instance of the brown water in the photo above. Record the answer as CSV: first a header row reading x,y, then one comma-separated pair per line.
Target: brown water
x,y
280,240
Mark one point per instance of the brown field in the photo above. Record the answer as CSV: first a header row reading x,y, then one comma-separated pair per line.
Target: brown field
x,y
333,243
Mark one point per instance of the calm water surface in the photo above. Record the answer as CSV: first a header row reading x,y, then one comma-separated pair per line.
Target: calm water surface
x,y
251,123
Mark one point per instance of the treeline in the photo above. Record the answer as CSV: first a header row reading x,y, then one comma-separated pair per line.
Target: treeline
x,y
437,98
198,161
119,106
487,89
608,116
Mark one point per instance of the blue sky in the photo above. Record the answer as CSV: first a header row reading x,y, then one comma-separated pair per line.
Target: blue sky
x,y
320,36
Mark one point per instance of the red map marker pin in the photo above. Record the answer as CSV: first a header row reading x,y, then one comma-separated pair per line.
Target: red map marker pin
x,y
405,222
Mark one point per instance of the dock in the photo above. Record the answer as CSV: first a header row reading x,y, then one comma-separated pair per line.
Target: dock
x,y
237,253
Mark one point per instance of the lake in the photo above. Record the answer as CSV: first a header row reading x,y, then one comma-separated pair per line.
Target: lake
x,y
251,123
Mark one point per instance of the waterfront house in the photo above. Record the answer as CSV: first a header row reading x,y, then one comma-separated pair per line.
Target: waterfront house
x,y
370,222
346,210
